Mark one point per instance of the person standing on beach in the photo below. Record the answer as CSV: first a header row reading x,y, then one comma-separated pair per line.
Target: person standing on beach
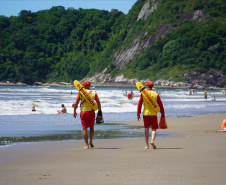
x,y
149,115
87,114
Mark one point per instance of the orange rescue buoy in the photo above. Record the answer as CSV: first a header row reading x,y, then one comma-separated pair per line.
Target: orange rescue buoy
x,y
223,126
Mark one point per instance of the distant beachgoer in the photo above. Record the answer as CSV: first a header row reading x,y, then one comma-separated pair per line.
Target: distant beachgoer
x,y
205,95
149,115
63,110
33,108
214,98
130,95
190,92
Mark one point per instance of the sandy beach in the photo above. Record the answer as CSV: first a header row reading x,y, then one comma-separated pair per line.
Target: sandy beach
x,y
195,155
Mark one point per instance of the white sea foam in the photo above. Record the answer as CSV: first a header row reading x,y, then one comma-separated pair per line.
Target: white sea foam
x,y
184,106
47,100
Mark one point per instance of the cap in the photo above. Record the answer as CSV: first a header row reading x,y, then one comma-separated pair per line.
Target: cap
x,y
150,83
86,83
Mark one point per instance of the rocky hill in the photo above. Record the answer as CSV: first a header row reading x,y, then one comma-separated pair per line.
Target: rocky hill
x,y
193,78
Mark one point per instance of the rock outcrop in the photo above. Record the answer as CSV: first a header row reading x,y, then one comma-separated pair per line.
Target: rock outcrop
x,y
210,80
213,78
146,11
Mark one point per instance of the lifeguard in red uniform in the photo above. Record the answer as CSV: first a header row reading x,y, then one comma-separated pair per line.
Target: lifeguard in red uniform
x,y
87,114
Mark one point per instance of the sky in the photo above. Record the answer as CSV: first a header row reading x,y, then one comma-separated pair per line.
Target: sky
x,y
13,7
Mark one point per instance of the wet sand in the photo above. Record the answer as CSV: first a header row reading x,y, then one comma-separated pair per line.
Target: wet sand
x,y
195,155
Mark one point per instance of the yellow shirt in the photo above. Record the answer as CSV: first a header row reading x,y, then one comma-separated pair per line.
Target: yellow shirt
x,y
148,110
85,105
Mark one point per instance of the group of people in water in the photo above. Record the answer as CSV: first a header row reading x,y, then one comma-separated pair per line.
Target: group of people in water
x,y
193,91
205,96
62,111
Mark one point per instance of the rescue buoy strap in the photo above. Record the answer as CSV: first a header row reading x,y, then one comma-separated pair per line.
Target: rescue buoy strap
x,y
142,89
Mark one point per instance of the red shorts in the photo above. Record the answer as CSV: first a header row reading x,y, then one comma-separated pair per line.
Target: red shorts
x,y
150,121
87,119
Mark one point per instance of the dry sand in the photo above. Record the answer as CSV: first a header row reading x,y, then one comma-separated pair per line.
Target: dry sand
x,y
196,155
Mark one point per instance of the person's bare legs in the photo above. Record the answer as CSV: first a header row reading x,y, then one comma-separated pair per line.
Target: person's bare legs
x,y
91,134
146,136
85,136
153,135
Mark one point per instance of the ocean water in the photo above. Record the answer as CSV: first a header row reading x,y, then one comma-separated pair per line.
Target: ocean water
x,y
19,124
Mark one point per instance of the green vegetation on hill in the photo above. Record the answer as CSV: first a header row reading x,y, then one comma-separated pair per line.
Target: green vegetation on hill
x,y
190,46
64,45
55,44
